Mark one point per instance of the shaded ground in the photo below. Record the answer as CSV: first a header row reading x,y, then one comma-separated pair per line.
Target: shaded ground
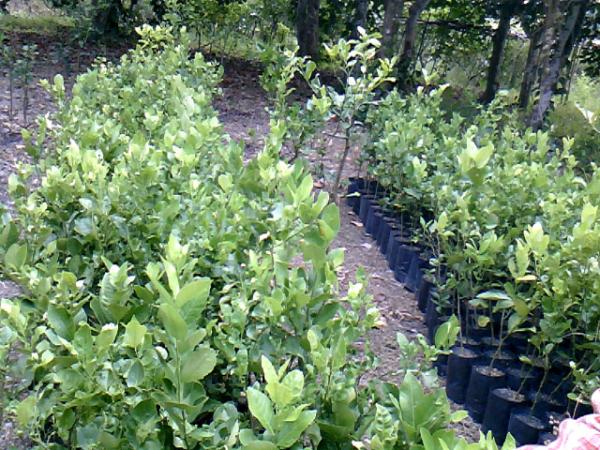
x,y
243,106
242,110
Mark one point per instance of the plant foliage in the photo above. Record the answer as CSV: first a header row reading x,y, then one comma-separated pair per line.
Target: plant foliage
x,y
174,297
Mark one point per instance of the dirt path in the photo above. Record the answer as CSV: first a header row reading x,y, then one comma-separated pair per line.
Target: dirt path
x,y
242,110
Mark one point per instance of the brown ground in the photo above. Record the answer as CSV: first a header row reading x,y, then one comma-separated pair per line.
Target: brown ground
x,y
244,117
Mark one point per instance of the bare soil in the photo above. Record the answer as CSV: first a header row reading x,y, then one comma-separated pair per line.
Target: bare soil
x,y
242,111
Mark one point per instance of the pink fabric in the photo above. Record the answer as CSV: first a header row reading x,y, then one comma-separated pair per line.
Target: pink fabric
x,y
580,434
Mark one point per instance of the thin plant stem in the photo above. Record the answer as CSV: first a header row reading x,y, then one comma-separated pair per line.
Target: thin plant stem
x,y
338,176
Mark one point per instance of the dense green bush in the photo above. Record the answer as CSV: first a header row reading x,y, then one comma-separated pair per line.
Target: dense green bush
x,y
174,297
165,269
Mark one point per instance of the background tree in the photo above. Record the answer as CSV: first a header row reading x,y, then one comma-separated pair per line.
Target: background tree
x,y
532,20
589,51
561,30
360,17
507,10
391,25
410,35
307,28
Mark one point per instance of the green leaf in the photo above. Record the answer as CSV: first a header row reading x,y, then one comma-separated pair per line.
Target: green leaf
x,y
284,393
61,321
135,375
305,188
16,256
336,257
225,182
509,443
441,223
526,278
522,257
87,436
447,333
536,239
196,291
261,408
9,235
494,294
26,410
514,321
483,321
247,436
145,411
483,156
82,341
172,278
338,355
106,337
588,215
329,225
134,334
428,442
84,226
458,416
268,370
291,431
172,321
295,381
521,307
198,364
260,445
108,441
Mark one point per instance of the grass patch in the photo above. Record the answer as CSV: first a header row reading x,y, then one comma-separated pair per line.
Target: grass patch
x,y
43,24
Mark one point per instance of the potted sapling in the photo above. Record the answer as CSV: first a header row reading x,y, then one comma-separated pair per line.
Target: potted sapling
x,y
491,377
526,424
586,381
462,358
552,326
436,236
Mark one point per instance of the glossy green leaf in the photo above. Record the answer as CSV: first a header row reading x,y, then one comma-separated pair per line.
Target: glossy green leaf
x,y
135,375
261,408
61,321
16,256
291,431
196,291
172,321
198,365
134,334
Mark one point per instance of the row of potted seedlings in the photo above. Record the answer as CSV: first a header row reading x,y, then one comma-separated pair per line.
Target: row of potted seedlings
x,y
494,374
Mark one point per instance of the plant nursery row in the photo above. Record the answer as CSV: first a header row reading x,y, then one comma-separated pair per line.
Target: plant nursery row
x,y
500,228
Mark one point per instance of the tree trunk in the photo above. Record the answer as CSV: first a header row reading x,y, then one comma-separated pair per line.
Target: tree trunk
x,y
360,17
410,36
531,69
106,16
159,8
307,28
507,10
557,47
391,25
